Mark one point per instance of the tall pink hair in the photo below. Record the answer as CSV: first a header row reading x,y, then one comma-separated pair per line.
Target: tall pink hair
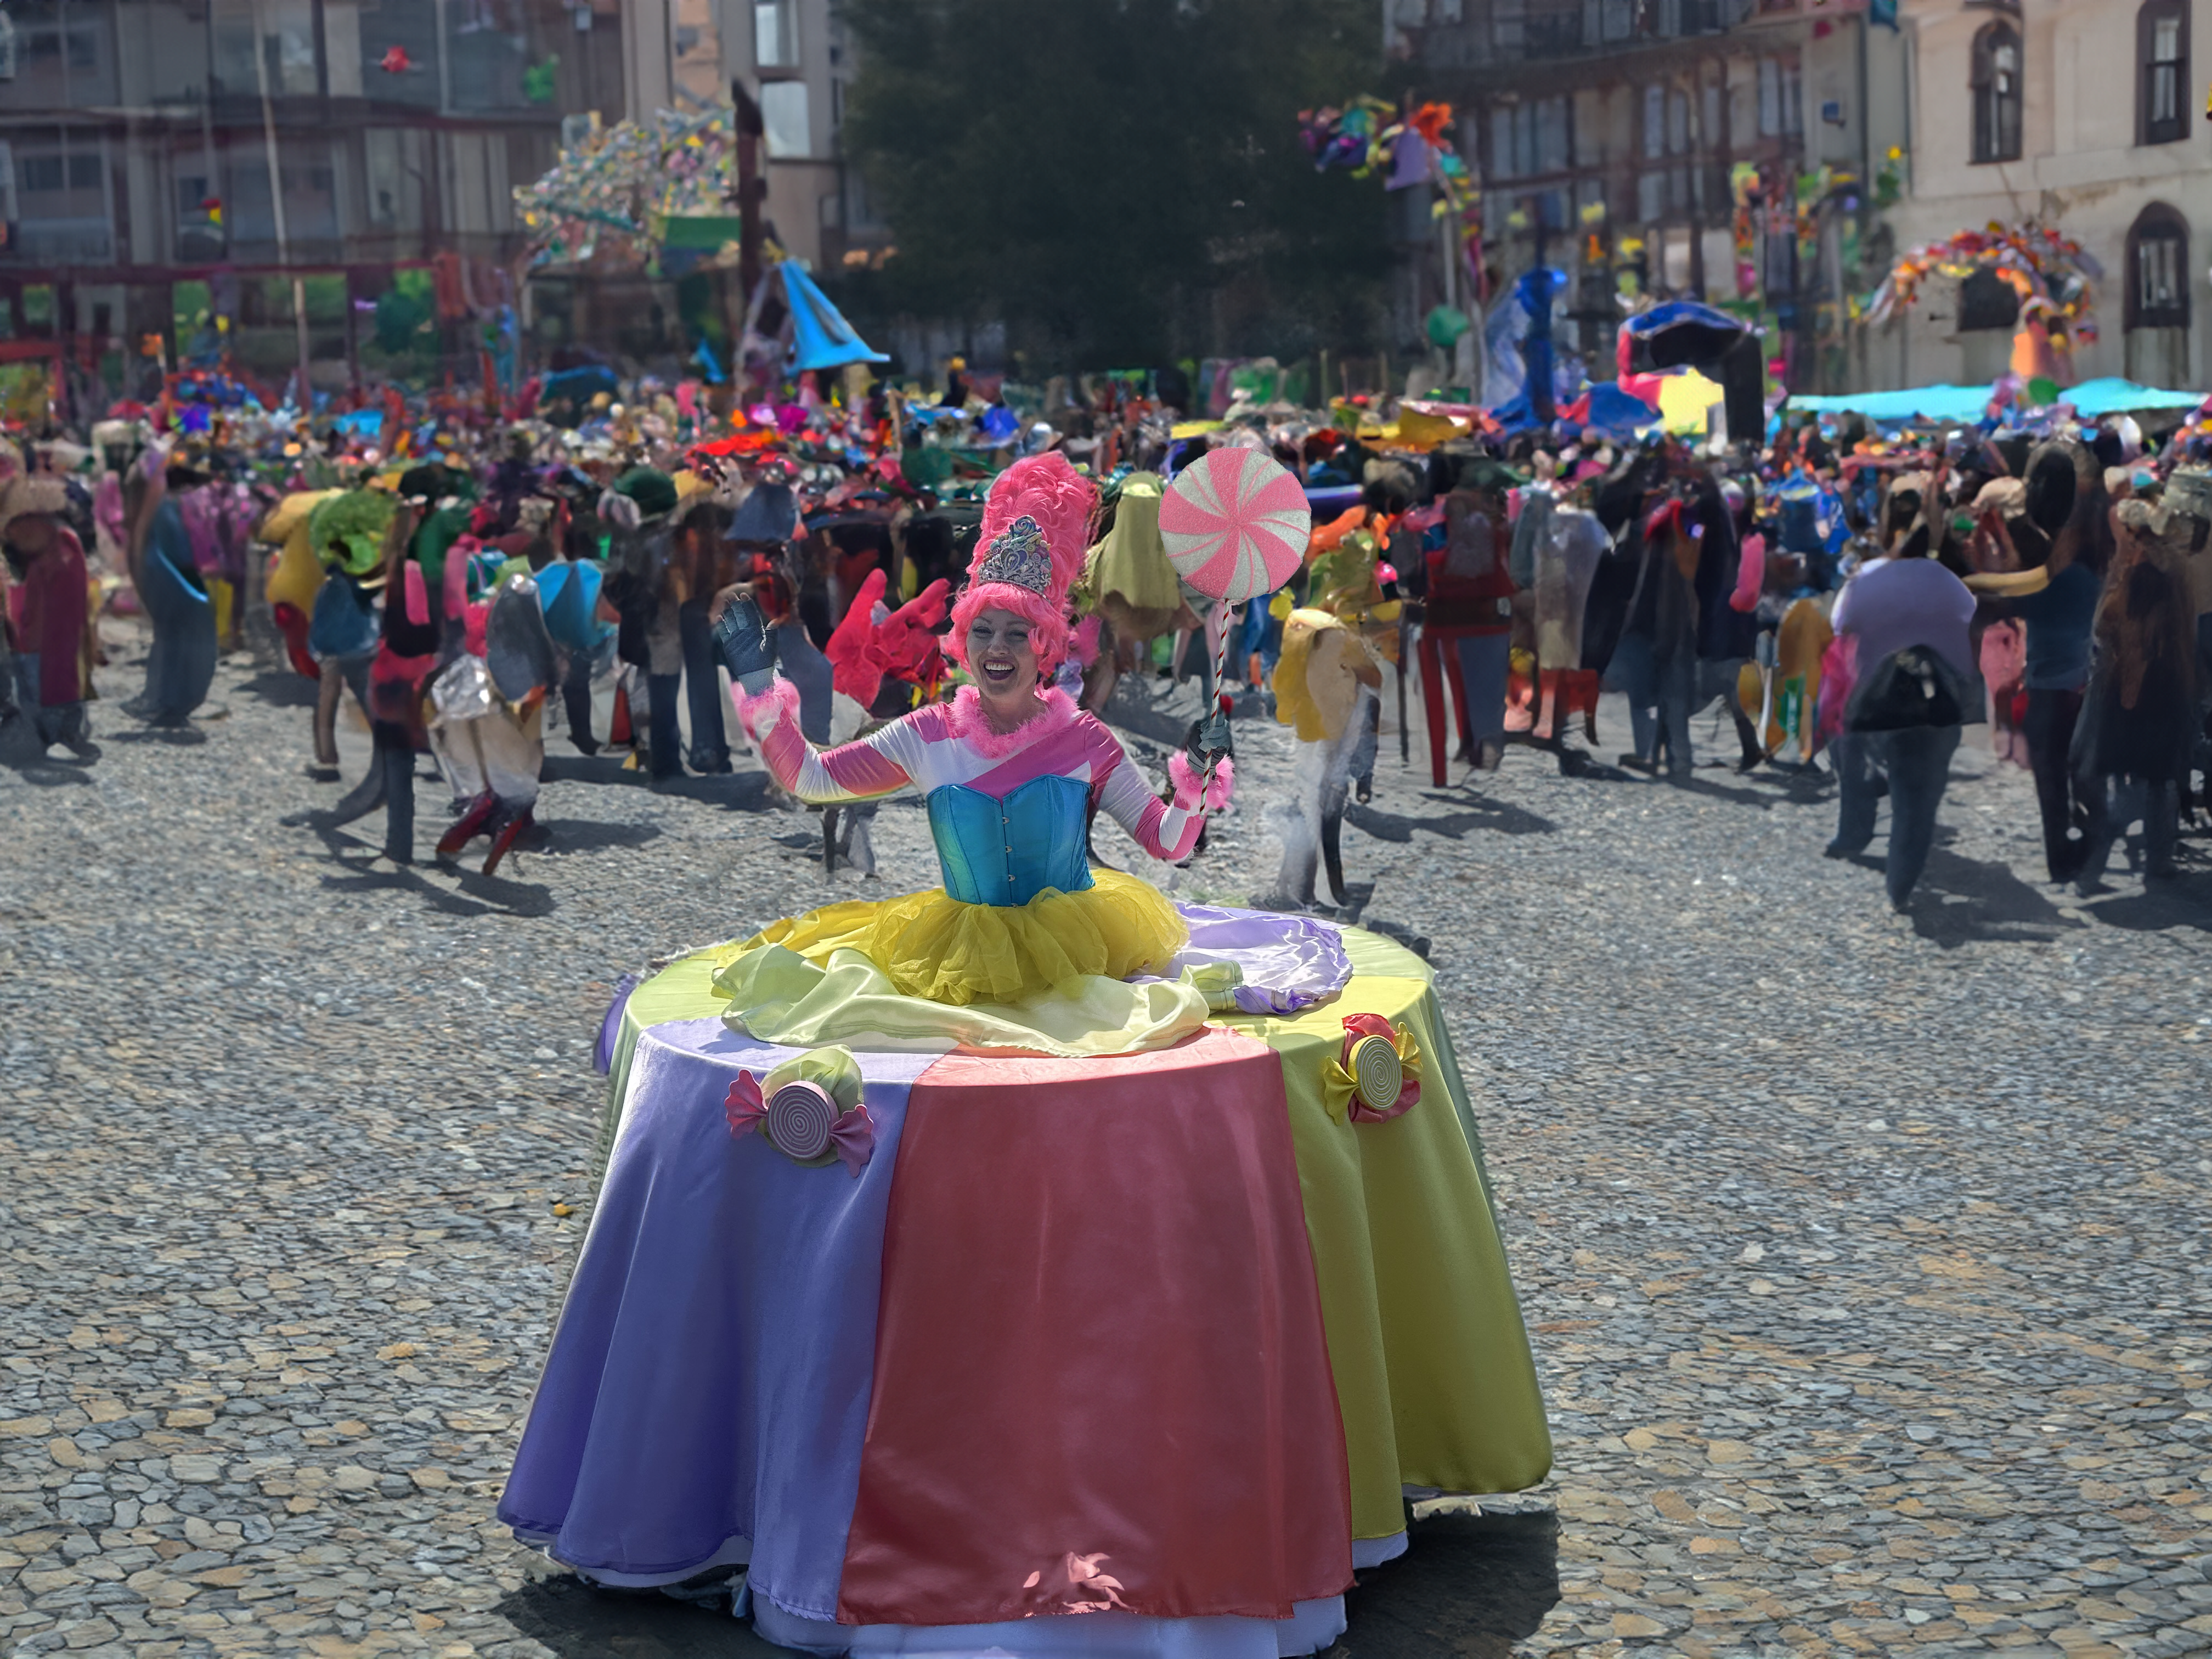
x,y
1065,504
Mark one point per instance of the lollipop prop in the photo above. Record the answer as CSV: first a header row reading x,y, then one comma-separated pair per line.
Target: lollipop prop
x,y
1236,524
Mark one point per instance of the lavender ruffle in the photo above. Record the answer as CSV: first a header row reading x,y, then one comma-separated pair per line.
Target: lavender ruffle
x,y
1289,962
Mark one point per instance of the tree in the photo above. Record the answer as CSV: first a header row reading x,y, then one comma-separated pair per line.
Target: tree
x,y
1121,180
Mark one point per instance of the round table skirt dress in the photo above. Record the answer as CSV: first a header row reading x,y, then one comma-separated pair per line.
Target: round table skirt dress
x,y
1150,1341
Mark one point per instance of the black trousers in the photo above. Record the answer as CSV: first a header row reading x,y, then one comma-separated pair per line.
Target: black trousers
x,y
2048,729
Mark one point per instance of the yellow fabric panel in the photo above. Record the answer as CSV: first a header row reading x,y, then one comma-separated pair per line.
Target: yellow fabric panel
x,y
1434,1375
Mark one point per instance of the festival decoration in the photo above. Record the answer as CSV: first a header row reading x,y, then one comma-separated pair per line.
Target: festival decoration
x,y
2052,274
1416,148
615,191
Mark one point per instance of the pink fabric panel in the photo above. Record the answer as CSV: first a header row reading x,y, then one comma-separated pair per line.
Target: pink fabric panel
x,y
1114,1393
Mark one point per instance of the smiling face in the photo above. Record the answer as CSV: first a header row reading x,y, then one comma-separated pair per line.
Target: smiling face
x,y
1002,657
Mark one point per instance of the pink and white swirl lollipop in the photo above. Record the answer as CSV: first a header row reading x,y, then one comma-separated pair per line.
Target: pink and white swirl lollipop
x,y
1236,524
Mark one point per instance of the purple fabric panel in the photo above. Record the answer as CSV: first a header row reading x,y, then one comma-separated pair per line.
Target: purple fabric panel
x,y
603,1056
1289,962
709,1377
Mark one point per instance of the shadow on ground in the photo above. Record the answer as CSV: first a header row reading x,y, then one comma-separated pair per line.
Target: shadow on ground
x,y
578,1622
1497,817
283,688
1992,903
1471,1585
743,791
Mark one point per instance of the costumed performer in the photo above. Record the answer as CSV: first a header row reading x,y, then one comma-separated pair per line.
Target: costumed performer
x,y
54,667
488,704
1009,770
180,666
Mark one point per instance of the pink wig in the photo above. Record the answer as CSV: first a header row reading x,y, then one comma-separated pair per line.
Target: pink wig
x,y
1064,503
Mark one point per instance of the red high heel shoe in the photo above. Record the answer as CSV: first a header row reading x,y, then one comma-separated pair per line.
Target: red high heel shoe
x,y
505,836
467,827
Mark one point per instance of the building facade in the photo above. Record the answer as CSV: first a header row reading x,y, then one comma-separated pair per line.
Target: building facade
x,y
2086,116
269,169
1615,138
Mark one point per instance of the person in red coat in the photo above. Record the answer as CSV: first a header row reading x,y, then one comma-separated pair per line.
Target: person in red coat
x,y
51,613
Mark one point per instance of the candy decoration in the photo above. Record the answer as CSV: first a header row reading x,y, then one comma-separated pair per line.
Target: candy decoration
x,y
800,1117
852,1137
1236,524
743,1106
1377,1075
1374,1067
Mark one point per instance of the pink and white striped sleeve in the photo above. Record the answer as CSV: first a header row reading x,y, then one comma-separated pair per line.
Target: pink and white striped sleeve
x,y
854,771
1164,831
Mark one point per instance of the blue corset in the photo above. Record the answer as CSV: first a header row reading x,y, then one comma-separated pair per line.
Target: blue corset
x,y
1007,849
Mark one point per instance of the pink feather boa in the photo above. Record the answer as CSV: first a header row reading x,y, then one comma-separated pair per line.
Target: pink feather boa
x,y
781,701
965,717
1185,778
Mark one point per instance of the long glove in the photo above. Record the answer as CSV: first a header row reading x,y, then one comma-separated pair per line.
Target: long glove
x,y
742,638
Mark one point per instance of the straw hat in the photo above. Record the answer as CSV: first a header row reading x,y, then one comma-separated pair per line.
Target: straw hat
x,y
30,493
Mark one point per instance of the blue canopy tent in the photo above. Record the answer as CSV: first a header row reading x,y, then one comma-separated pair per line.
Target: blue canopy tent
x,y
820,337
1968,405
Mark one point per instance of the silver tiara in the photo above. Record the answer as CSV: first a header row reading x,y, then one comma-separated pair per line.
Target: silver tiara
x,y
1018,554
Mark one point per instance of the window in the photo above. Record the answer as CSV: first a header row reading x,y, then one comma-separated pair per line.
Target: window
x,y
784,120
1655,120
1781,98
2158,270
2162,48
1997,94
776,35
1531,138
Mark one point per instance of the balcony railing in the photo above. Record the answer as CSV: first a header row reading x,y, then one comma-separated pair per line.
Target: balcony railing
x,y
1534,30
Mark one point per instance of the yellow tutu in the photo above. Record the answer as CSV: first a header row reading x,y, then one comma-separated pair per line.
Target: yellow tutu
x,y
933,946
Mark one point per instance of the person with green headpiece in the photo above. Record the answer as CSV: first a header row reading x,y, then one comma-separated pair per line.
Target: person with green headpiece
x,y
345,531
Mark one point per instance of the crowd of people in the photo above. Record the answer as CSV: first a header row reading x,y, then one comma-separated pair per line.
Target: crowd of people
x,y
1853,599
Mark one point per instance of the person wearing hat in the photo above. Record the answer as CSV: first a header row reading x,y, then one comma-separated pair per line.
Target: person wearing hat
x,y
641,587
2133,746
53,671
180,666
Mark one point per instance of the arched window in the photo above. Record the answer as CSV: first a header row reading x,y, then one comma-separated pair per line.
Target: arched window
x,y
1997,94
2158,269
2162,50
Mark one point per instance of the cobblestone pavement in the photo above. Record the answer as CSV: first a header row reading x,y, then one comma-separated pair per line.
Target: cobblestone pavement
x,y
1865,1255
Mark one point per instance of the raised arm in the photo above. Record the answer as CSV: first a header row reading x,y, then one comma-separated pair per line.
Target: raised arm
x,y
1165,832
874,765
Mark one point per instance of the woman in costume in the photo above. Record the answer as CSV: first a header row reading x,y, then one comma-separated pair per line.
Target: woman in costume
x,y
977,1300
1010,769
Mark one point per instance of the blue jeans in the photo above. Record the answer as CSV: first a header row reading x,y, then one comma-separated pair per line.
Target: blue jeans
x,y
1918,760
703,678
